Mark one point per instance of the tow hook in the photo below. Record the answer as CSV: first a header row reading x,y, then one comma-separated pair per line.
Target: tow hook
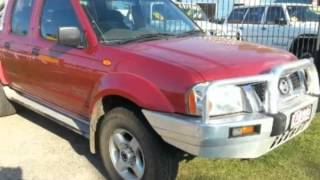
x,y
279,124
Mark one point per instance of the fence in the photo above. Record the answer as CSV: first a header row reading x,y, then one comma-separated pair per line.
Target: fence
x,y
292,25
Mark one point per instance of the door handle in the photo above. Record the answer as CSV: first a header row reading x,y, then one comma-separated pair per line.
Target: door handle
x,y
7,45
35,51
241,28
264,28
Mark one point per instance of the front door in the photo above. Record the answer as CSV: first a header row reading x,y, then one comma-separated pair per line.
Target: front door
x,y
62,74
252,25
276,28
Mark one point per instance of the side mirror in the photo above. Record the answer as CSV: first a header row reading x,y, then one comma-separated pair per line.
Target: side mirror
x,y
70,36
281,21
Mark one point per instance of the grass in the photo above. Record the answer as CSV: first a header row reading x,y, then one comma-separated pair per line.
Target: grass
x,y
297,159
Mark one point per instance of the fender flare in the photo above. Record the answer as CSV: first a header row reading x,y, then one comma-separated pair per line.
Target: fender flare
x,y
134,88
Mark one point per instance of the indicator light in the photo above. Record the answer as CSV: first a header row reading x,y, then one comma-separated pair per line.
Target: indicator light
x,y
106,62
244,131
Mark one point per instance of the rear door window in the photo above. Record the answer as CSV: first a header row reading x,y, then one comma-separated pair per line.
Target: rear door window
x,y
275,14
56,14
237,15
254,15
21,17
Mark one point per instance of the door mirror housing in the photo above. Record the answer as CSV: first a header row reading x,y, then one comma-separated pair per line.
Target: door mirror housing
x,y
281,21
70,36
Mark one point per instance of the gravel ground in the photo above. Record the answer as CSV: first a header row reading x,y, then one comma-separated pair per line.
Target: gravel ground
x,y
35,148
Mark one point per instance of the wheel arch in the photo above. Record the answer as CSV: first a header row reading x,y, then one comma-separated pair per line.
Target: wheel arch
x,y
304,39
123,90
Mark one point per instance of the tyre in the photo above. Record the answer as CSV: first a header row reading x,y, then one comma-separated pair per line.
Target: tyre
x,y
6,107
304,49
131,150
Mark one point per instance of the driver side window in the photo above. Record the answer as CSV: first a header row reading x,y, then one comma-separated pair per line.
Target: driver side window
x,y
56,14
254,15
275,15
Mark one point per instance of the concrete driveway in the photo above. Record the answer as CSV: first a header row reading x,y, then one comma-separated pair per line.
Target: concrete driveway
x,y
35,148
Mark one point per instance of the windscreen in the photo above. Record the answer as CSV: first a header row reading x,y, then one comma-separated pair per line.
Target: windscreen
x,y
302,14
122,20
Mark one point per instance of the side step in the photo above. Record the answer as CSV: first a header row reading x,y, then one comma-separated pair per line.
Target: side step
x,y
77,125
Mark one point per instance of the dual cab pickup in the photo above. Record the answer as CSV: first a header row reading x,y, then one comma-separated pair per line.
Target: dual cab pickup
x,y
146,93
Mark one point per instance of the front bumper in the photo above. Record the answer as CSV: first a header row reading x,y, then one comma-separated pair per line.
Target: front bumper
x,y
210,136
212,139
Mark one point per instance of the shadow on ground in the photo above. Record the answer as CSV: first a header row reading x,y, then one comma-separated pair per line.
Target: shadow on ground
x,y
78,143
11,173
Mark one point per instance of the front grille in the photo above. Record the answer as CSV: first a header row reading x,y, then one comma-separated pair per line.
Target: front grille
x,y
295,80
261,90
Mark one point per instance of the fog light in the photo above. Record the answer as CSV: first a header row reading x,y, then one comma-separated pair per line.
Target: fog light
x,y
244,131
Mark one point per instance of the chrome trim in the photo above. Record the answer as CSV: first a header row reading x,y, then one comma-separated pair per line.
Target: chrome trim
x,y
253,98
79,126
272,80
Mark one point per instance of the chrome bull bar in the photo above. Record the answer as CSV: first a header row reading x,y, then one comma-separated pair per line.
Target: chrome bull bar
x,y
272,79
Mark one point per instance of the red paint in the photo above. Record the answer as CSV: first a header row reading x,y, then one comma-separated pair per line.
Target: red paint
x,y
155,75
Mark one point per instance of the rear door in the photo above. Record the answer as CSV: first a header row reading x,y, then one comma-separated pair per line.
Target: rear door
x,y
3,12
16,45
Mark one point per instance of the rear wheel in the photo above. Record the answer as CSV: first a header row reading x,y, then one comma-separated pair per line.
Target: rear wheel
x,y
305,54
6,107
131,150
304,47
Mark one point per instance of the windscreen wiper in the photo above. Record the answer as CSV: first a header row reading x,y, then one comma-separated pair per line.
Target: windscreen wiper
x,y
190,33
145,37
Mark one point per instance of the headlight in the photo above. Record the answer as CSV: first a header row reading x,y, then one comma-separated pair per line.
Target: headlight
x,y
221,100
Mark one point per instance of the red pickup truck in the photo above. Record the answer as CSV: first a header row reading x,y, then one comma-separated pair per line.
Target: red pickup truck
x,y
146,86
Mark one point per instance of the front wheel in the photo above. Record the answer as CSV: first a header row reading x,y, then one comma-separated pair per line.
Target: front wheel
x,y
131,150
